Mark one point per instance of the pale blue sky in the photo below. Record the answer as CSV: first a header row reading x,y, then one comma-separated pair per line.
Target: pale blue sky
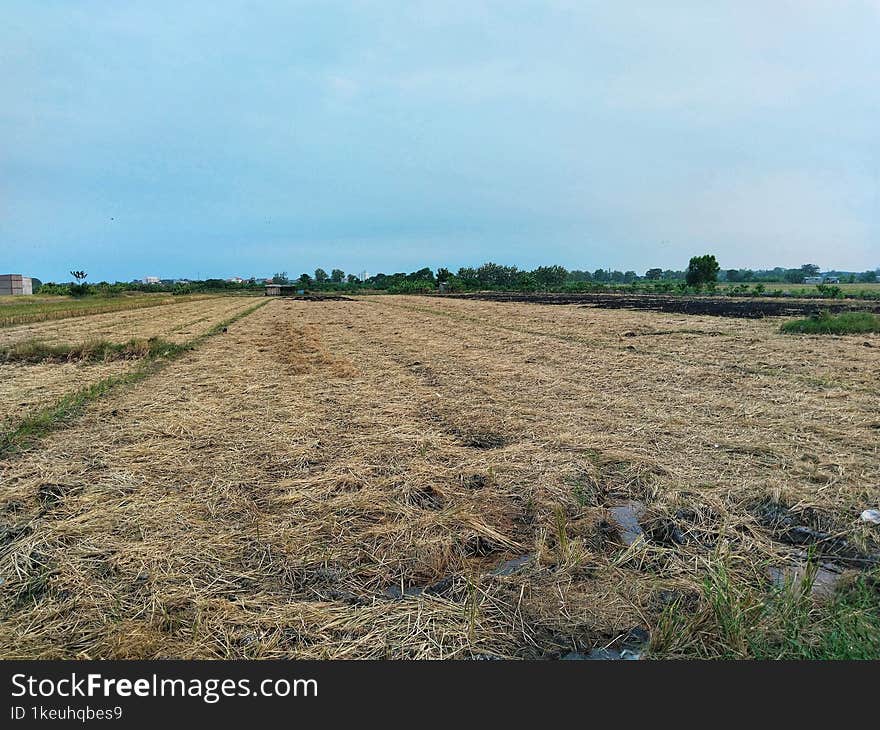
x,y
221,138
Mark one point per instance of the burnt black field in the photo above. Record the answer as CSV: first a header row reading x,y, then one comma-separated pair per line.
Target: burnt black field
x,y
750,308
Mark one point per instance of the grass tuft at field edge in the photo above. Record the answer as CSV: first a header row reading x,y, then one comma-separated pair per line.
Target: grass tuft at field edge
x,y
36,351
846,323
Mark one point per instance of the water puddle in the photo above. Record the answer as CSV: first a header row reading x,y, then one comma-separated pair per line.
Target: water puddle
x,y
631,647
626,518
509,567
825,581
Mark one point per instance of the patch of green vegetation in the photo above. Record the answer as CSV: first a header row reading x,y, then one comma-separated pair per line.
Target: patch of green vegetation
x,y
846,323
35,351
736,621
847,627
25,433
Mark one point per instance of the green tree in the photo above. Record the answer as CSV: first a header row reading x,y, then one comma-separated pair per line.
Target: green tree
x,y
280,278
526,281
496,275
653,274
305,281
701,270
733,275
320,276
578,276
421,275
80,288
547,276
337,276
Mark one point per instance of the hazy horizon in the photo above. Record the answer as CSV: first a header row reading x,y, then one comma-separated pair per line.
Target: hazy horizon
x,y
149,138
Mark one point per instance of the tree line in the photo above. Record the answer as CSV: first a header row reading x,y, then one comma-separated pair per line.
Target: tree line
x,y
703,272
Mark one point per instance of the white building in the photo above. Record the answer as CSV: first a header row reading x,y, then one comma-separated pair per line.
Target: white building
x,y
151,280
15,284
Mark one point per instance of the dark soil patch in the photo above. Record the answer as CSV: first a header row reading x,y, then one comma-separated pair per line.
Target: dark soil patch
x,y
480,439
319,298
476,481
52,495
479,546
425,498
805,529
751,308
440,588
11,533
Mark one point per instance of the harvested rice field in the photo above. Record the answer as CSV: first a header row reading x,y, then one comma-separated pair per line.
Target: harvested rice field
x,y
425,478
174,320
28,386
16,310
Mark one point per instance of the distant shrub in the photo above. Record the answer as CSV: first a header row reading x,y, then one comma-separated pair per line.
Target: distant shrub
x,y
846,323
79,290
830,291
52,289
664,286
420,286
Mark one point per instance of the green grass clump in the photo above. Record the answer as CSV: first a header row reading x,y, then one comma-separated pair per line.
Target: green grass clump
x,y
35,351
846,323
739,620
847,627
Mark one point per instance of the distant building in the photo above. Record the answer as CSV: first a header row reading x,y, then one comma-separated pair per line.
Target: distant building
x,y
151,280
821,280
279,290
235,280
813,280
15,284
831,280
